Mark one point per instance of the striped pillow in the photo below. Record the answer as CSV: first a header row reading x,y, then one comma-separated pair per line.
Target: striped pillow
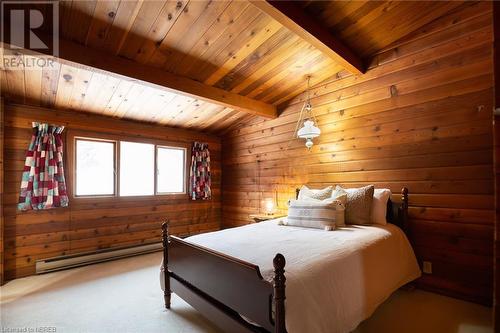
x,y
313,213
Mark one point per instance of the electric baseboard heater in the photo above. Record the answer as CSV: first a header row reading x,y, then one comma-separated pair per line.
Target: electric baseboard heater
x,y
87,258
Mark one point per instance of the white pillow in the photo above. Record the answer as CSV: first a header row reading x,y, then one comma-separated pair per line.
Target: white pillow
x,y
340,194
312,213
379,206
306,192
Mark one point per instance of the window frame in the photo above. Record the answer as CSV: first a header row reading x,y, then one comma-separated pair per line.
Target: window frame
x,y
75,174
185,168
73,135
118,170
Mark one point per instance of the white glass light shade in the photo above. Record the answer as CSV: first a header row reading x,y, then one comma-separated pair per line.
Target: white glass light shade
x,y
309,131
269,203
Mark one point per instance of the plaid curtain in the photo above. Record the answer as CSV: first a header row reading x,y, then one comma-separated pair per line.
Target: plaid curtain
x,y
200,172
43,185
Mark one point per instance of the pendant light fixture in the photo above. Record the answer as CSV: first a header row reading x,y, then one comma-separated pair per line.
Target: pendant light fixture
x,y
309,130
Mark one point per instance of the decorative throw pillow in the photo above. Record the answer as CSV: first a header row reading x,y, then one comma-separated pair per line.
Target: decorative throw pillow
x,y
359,204
311,213
340,196
323,194
379,205
340,212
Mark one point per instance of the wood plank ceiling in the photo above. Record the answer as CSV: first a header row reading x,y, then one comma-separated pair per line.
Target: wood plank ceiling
x,y
231,45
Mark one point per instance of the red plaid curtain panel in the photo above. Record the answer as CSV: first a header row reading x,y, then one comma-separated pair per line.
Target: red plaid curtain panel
x,y
43,185
200,172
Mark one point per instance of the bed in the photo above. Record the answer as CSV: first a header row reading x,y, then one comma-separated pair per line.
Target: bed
x,y
334,280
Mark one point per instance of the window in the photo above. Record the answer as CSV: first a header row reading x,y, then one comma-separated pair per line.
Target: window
x,y
171,168
114,166
95,167
136,169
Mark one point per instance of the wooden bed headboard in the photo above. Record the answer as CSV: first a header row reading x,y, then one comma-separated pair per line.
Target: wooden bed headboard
x,y
397,212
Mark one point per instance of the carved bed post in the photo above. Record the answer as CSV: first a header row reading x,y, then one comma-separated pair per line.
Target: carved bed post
x,y
404,210
279,293
167,292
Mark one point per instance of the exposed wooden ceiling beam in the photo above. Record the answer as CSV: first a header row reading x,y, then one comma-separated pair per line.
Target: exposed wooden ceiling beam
x,y
77,55
290,15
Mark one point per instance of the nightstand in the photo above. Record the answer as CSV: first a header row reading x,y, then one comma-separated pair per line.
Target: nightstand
x,y
265,217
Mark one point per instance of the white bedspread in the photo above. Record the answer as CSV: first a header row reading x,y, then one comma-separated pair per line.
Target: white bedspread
x,y
335,279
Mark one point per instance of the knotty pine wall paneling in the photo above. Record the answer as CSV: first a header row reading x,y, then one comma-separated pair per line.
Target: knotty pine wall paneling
x,y
91,224
420,117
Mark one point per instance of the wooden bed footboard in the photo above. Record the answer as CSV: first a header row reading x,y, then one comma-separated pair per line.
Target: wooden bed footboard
x,y
224,288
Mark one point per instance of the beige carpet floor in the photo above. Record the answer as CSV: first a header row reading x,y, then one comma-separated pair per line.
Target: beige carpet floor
x,y
124,296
